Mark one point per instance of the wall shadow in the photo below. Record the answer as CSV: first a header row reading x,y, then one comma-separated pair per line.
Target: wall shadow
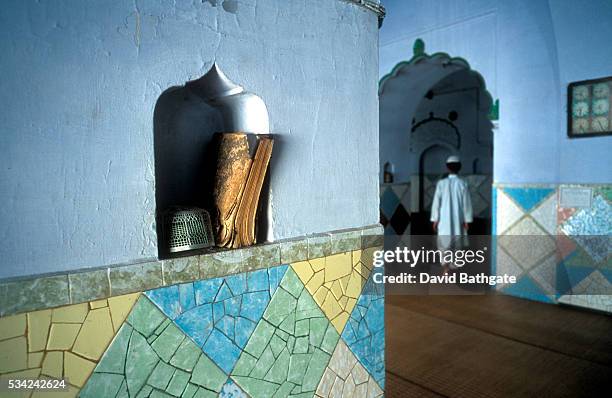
x,y
185,154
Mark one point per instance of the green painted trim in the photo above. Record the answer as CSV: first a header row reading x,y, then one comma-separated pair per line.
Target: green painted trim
x,y
494,114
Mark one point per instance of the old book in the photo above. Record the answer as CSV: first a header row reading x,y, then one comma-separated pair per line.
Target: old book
x,y
241,169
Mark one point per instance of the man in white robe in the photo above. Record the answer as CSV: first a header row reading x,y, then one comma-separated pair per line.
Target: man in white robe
x,y
451,210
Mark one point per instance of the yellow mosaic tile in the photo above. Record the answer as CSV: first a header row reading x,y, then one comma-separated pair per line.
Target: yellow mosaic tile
x,y
71,392
53,364
98,304
62,342
70,314
335,282
12,326
13,354
120,307
77,369
62,335
96,334
35,359
38,329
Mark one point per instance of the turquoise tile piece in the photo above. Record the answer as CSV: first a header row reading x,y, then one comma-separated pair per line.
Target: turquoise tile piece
x,y
231,390
528,198
220,314
527,288
388,202
364,332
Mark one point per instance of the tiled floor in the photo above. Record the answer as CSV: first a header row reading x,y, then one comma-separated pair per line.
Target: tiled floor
x,y
495,346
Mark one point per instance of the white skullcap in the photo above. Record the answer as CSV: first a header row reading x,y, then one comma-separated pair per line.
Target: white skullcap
x,y
453,159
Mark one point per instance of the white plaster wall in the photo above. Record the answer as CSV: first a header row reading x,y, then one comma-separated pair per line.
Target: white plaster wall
x,y
79,86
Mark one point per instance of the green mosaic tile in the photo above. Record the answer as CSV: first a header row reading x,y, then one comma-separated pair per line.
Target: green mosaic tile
x,y
141,363
102,385
261,256
161,375
159,394
372,236
206,374
345,241
221,263
91,285
184,269
32,294
293,251
168,342
113,360
275,362
190,391
319,246
145,317
135,278
123,391
178,383
186,356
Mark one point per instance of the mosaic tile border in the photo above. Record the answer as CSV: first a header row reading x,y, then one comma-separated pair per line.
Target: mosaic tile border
x,y
40,292
562,276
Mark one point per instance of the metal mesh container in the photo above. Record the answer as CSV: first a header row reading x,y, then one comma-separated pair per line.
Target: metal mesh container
x,y
187,229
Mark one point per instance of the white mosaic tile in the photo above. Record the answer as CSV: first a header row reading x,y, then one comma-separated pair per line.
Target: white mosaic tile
x,y
527,243
594,284
545,274
345,377
596,302
505,264
546,214
507,212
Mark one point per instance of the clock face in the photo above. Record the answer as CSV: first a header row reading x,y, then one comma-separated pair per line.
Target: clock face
x,y
601,90
581,93
601,106
589,108
580,109
580,125
600,123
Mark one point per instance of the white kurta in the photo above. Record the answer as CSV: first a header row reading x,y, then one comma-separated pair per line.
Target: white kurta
x,y
451,208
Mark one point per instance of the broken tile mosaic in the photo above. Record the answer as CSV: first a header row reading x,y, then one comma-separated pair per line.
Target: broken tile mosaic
x,y
365,330
65,342
151,356
335,283
220,314
345,377
290,347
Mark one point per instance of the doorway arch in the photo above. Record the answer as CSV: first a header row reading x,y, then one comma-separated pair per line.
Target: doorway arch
x,y
437,101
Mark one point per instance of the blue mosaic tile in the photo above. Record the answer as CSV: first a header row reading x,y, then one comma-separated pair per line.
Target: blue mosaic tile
x,y
388,202
364,332
528,198
220,314
574,275
607,273
168,300
231,390
525,287
562,282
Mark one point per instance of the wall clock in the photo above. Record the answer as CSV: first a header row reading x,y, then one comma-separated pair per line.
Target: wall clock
x,y
588,108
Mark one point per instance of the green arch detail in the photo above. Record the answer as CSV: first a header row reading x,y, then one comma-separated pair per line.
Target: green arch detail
x,y
419,54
